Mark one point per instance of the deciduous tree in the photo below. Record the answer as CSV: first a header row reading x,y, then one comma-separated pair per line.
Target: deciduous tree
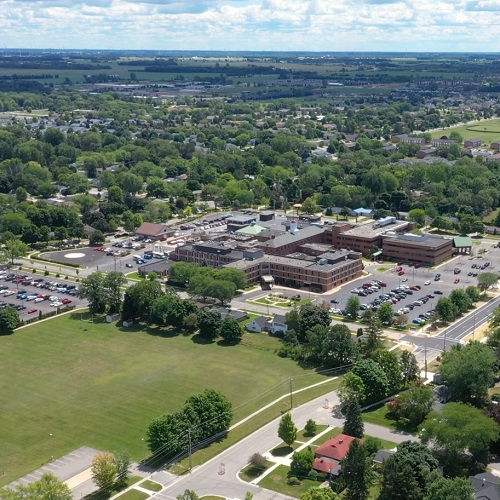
x,y
374,379
287,430
48,487
410,371
9,320
302,462
352,306
230,330
486,280
104,470
469,371
451,489
209,324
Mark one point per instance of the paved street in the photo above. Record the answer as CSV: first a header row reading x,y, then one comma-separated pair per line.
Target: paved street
x,y
452,335
208,479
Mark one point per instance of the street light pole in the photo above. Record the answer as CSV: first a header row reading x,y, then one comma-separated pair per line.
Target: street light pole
x,y
51,446
425,358
291,393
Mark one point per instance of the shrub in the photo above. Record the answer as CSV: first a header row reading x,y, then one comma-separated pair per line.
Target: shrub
x,y
65,277
372,445
33,270
58,275
46,273
293,481
258,461
310,427
302,462
314,475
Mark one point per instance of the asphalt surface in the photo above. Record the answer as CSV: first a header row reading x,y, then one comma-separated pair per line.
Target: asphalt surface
x,y
431,347
208,478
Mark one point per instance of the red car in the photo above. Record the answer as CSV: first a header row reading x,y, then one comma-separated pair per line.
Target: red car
x,y
400,273
31,311
66,301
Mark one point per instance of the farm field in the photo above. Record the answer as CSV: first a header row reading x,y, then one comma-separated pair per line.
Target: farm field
x,y
487,130
101,385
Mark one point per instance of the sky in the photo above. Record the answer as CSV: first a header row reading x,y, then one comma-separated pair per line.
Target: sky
x,y
270,25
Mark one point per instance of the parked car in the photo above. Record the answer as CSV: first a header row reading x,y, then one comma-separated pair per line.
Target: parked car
x,y
427,282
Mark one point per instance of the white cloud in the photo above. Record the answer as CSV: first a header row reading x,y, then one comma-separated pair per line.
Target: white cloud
x,y
318,25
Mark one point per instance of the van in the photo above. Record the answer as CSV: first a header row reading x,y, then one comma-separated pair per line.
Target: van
x,y
136,257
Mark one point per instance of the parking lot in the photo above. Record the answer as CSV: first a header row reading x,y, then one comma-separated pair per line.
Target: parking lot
x,y
31,295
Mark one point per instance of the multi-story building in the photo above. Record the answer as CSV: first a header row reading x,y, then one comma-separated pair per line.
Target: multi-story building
x,y
425,249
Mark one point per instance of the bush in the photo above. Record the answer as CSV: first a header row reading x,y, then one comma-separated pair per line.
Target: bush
x,y
310,427
314,475
46,273
58,275
258,461
372,445
293,481
302,462
65,277
33,270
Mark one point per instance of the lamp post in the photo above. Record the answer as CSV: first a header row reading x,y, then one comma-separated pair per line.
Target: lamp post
x,y
51,446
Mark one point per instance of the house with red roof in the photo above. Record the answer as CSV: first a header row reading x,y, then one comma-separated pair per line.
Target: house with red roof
x,y
329,455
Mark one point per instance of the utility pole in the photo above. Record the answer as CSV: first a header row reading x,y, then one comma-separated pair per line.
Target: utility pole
x,y
444,341
425,358
474,327
190,451
291,393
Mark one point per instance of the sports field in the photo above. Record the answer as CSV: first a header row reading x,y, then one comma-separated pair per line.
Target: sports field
x,y
487,130
99,385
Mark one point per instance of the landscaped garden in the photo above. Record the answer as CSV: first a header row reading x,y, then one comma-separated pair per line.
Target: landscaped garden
x,y
279,300
65,383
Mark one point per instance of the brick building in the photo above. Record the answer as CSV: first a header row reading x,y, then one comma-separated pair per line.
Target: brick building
x,y
425,249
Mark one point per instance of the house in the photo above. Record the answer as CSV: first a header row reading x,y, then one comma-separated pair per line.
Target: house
x,y
424,153
495,145
363,212
239,316
328,456
258,325
154,231
278,324
382,456
473,143
486,486
436,143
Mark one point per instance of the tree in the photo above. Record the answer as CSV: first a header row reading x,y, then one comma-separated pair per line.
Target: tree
x,y
310,427
385,313
410,372
48,487
446,309
473,294
21,194
412,405
170,310
139,300
373,340
286,429
123,462
356,471
331,346
104,470
309,206
319,493
486,280
302,462
310,316
9,320
93,289
113,283
353,423
417,215
389,362
408,473
352,306
236,276
14,248
450,489
374,379
209,413
209,324
460,300
457,429
223,291
469,371
188,495
351,388
96,238
230,330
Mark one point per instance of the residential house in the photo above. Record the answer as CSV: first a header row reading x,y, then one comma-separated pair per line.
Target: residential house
x,y
258,325
423,153
442,142
381,456
278,324
154,231
239,316
486,486
329,455
495,145
473,143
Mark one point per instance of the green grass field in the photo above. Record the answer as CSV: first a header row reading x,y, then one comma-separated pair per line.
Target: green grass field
x,y
487,130
100,385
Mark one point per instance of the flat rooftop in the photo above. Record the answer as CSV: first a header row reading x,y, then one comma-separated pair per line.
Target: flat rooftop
x,y
368,231
421,240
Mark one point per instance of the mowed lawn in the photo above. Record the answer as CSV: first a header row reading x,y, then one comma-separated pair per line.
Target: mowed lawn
x,y
99,385
486,130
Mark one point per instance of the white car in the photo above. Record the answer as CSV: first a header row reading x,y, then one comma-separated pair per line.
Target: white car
x,y
55,304
427,282
38,299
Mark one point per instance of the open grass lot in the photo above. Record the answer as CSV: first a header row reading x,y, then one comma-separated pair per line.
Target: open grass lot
x,y
380,416
486,130
277,481
100,385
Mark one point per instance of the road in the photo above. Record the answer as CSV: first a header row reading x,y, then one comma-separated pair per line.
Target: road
x,y
208,478
454,334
